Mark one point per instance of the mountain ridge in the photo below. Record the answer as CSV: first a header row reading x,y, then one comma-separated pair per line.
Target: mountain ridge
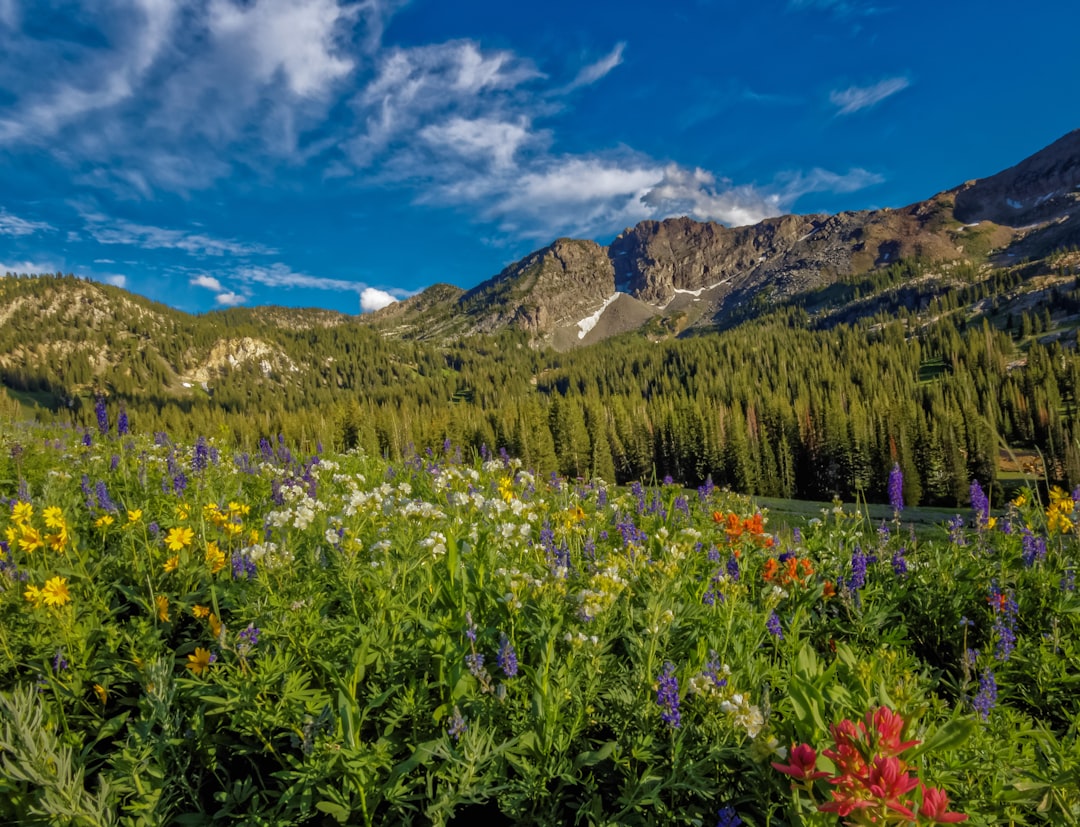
x,y
693,275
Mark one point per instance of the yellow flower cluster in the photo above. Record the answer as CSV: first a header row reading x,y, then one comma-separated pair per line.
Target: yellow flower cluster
x,y
22,533
1059,514
53,594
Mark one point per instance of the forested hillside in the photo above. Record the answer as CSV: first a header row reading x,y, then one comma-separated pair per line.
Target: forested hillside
x,y
943,370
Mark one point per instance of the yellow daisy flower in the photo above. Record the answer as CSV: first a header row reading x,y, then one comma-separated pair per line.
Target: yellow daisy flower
x,y
134,516
215,557
215,625
199,661
30,540
54,517
55,592
22,513
200,611
162,603
179,538
33,596
171,564
103,521
101,692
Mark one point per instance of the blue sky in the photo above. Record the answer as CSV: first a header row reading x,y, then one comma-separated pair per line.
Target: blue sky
x,y
340,154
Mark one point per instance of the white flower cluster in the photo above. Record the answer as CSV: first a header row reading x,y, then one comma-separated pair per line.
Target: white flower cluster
x,y
604,588
267,554
436,541
301,511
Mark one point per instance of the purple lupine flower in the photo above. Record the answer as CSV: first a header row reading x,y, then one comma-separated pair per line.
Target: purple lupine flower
x,y
201,458
883,533
179,483
248,639
1033,548
858,570
682,506
712,670
733,567
706,489
1068,581
956,531
102,414
456,726
896,488
60,663
668,480
986,699
243,567
638,492
899,564
114,462
104,501
475,662
87,440
667,696
1005,612
773,626
796,536
726,817
601,498
980,503
507,657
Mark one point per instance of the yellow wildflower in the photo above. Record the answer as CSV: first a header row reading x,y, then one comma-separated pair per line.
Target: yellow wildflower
x,y
215,557
1020,500
200,660
54,517
1057,494
171,564
506,489
179,538
256,537
200,611
103,521
238,509
22,513
183,511
215,625
134,516
162,608
30,540
58,541
34,596
55,592
233,529
101,692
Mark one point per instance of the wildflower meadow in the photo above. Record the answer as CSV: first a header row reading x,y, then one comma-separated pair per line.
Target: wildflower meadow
x,y
193,634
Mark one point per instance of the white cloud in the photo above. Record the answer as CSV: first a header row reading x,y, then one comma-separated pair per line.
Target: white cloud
x,y
855,98
209,282
372,299
280,275
112,231
483,139
13,225
115,279
433,84
230,299
9,13
294,40
595,71
695,193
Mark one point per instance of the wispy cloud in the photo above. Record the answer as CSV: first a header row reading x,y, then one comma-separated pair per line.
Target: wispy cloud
x,y
283,277
15,226
593,72
855,98
839,8
115,279
106,230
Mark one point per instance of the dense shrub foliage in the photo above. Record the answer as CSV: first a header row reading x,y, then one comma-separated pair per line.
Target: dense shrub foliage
x,y
190,633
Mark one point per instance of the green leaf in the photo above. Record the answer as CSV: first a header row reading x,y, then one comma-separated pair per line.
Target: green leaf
x,y
950,736
334,810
